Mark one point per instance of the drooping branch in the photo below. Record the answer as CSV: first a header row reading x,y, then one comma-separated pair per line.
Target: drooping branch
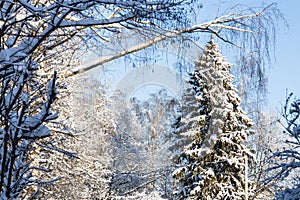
x,y
230,22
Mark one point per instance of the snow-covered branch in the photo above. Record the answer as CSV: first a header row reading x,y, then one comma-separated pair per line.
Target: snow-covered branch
x,y
286,161
238,23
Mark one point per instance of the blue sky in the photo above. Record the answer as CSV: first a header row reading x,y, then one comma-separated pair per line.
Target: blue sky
x,y
285,71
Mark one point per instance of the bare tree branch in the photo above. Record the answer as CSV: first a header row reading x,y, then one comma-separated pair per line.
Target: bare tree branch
x,y
230,22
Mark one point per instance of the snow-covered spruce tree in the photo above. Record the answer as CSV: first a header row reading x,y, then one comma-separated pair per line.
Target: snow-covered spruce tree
x,y
214,164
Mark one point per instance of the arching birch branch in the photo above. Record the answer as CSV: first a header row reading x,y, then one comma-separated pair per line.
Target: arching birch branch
x,y
230,22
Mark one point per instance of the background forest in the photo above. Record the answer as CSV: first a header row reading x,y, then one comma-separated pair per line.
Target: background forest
x,y
65,134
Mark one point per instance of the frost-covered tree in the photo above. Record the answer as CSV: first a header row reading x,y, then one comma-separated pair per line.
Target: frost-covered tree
x,y
286,160
89,125
142,146
154,116
214,164
268,137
